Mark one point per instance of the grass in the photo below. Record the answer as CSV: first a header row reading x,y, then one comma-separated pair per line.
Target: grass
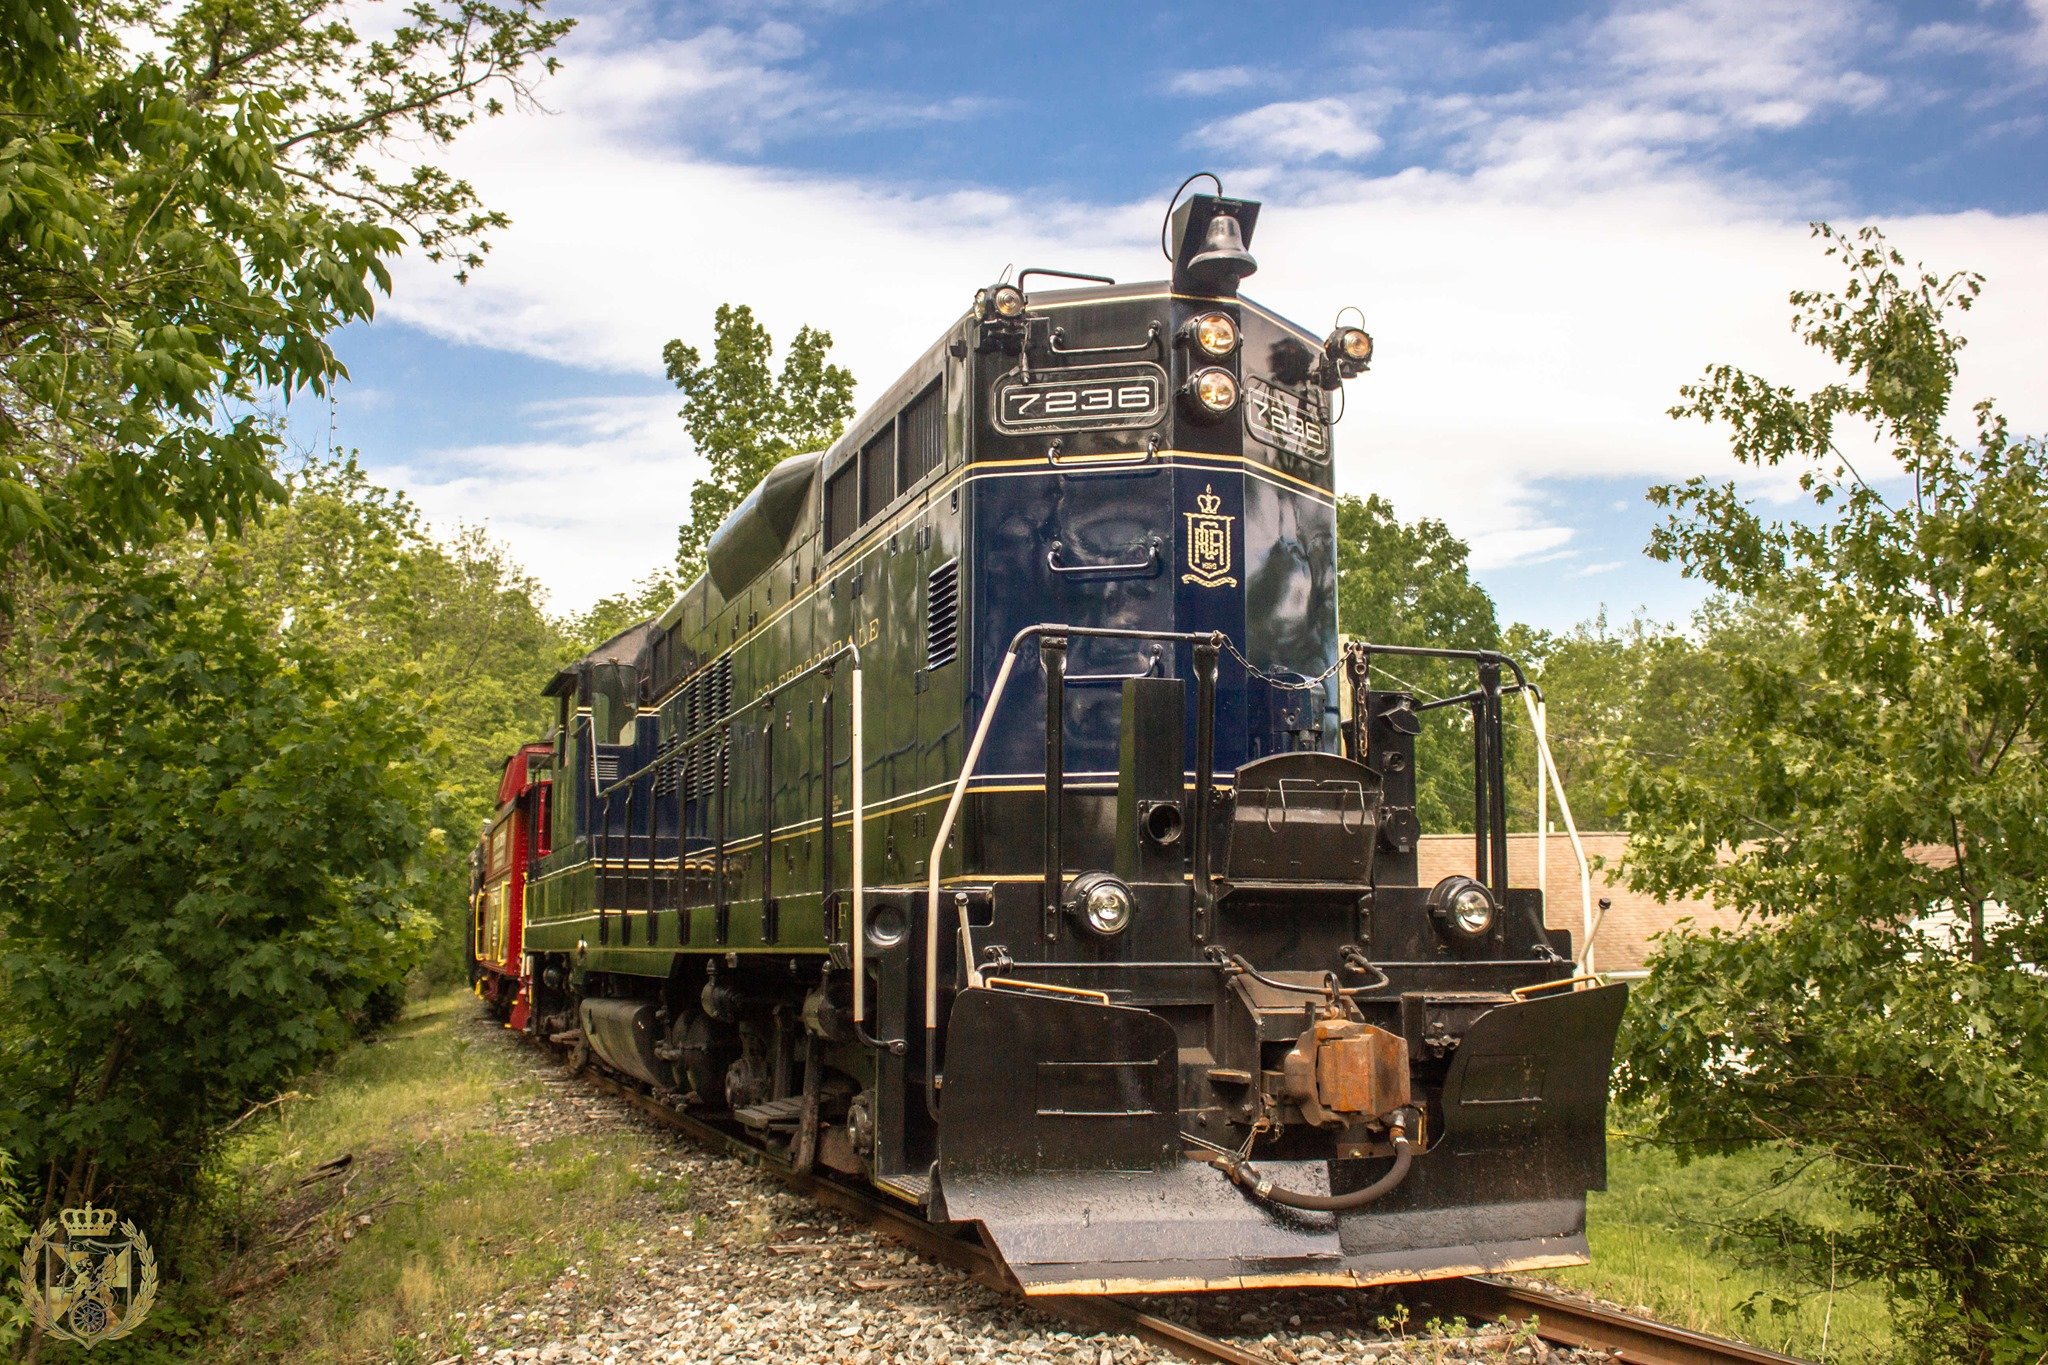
x,y
444,1211
1653,1235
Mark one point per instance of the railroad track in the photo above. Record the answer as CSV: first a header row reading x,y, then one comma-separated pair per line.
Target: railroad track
x,y
1558,1318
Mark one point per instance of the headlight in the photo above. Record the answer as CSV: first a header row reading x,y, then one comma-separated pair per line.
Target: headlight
x,y
1347,353
1215,333
1101,902
1462,906
1214,391
1006,301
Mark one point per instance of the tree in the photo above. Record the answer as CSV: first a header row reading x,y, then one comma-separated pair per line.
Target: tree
x,y
453,628
620,611
743,418
1639,693
13,1232
1870,797
192,198
1410,584
208,871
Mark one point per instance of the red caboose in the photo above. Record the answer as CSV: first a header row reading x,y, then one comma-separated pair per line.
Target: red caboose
x,y
514,838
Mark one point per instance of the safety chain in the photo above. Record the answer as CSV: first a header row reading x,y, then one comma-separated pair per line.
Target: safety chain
x,y
1308,685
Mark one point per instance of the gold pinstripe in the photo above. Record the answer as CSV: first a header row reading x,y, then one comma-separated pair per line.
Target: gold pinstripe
x,y
968,473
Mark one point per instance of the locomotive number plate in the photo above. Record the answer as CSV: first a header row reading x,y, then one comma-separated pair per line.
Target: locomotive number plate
x,y
1287,420
1082,398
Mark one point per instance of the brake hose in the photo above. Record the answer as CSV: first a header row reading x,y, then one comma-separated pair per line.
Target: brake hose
x,y
1260,1186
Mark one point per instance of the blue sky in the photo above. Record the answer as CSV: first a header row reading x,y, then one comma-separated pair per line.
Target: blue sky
x,y
1551,215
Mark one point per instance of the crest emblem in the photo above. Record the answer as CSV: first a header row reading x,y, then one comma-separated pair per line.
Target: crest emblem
x,y
1209,557
87,1280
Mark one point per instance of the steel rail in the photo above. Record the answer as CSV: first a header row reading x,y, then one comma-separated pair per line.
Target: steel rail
x,y
1558,1318
1566,1320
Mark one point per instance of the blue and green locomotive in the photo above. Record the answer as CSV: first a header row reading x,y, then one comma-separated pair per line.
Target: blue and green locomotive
x,y
999,822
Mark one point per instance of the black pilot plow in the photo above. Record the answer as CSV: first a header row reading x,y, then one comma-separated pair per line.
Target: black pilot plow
x,y
1295,1066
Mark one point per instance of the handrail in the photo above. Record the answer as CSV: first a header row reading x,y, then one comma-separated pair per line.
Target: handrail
x,y
1483,656
858,815
1148,565
1213,639
1151,670
1099,459
1052,343
1564,808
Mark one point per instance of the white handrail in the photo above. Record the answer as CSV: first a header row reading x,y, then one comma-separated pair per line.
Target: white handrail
x,y
931,917
860,990
1542,801
1564,808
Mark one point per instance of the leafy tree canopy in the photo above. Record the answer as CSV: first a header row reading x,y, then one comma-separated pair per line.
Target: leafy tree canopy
x,y
1870,795
744,417
1640,692
208,873
192,198
453,627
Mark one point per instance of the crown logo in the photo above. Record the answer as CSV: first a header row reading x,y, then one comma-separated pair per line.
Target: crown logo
x,y
1208,501
88,1221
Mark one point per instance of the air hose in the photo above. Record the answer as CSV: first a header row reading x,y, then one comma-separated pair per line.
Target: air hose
x,y
1260,1186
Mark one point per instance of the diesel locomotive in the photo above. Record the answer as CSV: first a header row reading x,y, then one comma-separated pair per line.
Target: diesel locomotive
x,y
999,823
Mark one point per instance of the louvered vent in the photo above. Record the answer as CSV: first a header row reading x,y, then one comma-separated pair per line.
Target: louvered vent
x,y
607,765
942,614
693,720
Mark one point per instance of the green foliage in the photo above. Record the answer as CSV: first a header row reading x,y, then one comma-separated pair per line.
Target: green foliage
x,y
453,628
192,197
1869,795
1409,583
1658,1238
608,616
207,869
1641,693
14,1233
744,418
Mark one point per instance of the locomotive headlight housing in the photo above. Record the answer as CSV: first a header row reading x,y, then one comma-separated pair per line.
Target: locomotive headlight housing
x,y
1462,907
1347,353
1004,301
1212,392
1101,903
1213,334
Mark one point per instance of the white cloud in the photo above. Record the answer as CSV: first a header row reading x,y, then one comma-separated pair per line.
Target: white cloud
x,y
592,466
1536,309
1759,63
1213,80
728,87
1294,131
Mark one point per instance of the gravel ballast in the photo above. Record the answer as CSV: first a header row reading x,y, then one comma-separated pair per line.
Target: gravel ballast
x,y
747,1270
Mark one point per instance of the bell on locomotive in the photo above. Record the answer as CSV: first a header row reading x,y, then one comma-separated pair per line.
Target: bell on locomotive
x,y
1001,823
